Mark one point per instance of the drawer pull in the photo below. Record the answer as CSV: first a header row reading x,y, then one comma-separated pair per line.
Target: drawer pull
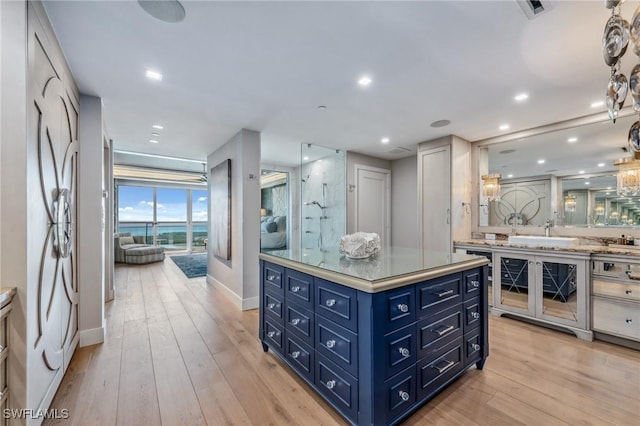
x,y
295,321
475,315
402,307
628,292
295,288
444,330
295,354
475,346
330,384
273,333
271,277
330,302
404,352
445,293
404,395
631,275
330,343
475,283
628,320
271,305
448,365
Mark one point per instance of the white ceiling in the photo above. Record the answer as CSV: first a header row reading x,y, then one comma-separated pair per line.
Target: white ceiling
x,y
267,66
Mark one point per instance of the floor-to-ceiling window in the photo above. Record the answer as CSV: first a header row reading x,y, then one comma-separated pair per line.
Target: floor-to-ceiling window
x,y
175,218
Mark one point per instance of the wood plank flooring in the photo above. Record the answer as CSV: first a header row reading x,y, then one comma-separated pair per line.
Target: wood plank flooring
x,y
177,352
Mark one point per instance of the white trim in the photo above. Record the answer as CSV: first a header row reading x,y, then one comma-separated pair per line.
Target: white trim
x,y
92,336
387,221
239,302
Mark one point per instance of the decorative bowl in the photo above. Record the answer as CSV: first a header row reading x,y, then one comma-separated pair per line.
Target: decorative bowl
x,y
360,245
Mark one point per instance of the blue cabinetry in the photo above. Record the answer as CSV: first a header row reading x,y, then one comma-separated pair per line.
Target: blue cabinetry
x,y
375,357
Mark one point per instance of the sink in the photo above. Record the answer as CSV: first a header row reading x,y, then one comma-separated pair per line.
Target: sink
x,y
533,240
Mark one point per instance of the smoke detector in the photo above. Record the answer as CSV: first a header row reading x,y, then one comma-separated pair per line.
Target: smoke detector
x,y
534,8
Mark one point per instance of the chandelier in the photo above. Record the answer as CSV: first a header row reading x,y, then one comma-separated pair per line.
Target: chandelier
x,y
600,209
570,203
628,176
491,186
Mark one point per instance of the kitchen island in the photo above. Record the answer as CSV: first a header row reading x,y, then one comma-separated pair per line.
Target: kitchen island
x,y
378,337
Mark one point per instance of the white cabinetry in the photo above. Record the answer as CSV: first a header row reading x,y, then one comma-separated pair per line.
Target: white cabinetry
x,y
547,287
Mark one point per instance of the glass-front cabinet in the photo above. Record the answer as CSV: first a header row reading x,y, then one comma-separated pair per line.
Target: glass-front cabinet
x,y
549,288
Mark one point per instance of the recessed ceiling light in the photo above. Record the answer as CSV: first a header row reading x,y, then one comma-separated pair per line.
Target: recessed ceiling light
x,y
587,183
322,107
167,11
154,141
509,175
572,139
608,187
364,81
440,123
158,126
384,140
600,164
581,172
504,127
597,104
153,75
305,158
541,161
319,161
521,97
155,134
608,193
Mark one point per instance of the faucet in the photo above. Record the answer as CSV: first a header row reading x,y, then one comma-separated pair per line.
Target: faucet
x,y
547,227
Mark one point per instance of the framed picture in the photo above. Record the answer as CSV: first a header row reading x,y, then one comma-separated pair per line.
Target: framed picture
x,y
220,217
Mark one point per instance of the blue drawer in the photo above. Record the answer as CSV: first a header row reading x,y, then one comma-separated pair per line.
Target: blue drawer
x,y
340,388
299,322
337,302
337,344
400,393
398,306
434,373
472,347
273,335
400,350
472,315
301,357
299,288
438,331
272,278
472,283
439,294
274,305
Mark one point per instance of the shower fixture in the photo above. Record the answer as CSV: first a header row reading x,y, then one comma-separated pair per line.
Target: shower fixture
x,y
310,203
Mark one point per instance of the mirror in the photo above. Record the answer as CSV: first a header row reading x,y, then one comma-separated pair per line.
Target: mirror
x,y
274,210
565,175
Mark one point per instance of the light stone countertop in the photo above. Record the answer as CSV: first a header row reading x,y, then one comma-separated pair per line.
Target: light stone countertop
x,y
6,294
616,250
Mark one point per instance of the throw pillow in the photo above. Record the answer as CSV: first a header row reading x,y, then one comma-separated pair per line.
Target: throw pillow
x,y
126,240
268,227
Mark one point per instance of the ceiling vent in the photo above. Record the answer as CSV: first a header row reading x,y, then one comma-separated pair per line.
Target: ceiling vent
x,y
534,8
399,150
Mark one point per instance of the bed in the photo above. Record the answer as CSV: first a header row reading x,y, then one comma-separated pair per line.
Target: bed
x,y
273,232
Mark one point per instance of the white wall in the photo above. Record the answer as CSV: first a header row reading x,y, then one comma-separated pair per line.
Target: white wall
x,y
354,158
239,276
90,252
404,202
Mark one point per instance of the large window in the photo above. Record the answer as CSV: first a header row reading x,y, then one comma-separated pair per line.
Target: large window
x,y
162,216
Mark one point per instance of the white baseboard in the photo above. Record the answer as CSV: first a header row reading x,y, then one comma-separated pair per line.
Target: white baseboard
x,y
92,336
240,303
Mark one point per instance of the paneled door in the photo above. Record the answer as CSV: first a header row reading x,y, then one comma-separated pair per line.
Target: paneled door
x,y
373,205
434,198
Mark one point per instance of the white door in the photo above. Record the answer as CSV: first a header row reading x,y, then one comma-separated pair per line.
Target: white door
x,y
434,198
373,206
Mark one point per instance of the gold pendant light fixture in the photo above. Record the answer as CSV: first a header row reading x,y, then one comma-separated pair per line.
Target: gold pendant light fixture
x,y
570,203
491,186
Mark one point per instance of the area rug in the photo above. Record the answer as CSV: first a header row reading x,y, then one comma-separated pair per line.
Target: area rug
x,y
193,265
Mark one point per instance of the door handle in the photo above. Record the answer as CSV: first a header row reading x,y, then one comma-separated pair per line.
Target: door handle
x,y
448,216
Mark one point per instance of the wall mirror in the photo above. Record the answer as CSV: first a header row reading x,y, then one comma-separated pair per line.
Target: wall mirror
x,y
564,173
275,217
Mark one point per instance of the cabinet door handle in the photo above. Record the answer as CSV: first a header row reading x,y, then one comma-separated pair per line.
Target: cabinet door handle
x,y
445,293
295,321
475,315
628,292
295,288
448,214
271,277
448,365
404,395
538,263
628,320
404,352
403,308
330,384
475,346
444,330
330,343
271,305
330,302
272,333
295,354
475,283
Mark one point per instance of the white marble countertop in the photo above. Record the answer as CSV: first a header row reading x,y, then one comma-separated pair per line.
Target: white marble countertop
x,y
618,250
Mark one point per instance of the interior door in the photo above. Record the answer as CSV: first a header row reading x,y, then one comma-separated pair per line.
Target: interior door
x,y
373,207
434,195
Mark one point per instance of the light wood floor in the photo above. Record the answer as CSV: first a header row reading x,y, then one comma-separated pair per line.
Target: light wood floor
x,y
178,352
